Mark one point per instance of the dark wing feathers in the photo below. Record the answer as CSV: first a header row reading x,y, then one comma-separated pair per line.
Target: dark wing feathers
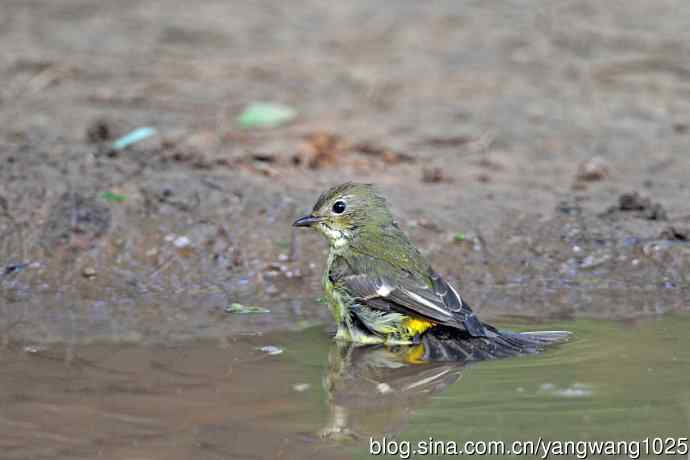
x,y
423,302
450,298
361,286
454,303
438,301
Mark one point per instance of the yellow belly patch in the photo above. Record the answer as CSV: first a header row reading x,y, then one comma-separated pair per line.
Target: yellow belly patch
x,y
415,355
417,326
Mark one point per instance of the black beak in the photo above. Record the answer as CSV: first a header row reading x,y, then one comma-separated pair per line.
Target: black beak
x,y
306,221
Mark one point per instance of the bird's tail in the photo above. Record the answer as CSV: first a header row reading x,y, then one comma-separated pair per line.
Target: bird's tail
x,y
509,343
449,344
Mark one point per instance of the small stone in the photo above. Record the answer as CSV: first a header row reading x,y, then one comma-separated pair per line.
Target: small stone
x,y
88,272
428,224
182,242
98,131
675,233
594,260
594,169
483,178
433,175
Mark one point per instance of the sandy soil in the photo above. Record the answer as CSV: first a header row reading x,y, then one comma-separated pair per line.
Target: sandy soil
x,y
506,138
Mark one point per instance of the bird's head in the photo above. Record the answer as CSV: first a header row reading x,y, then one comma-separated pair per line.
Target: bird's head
x,y
346,210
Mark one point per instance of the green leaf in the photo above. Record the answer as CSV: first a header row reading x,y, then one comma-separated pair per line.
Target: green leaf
x,y
459,237
113,197
266,115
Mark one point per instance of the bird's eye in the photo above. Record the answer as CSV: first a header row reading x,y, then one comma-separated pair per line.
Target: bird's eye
x,y
339,207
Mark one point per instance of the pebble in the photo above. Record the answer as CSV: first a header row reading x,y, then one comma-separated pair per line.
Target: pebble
x,y
182,242
594,260
593,169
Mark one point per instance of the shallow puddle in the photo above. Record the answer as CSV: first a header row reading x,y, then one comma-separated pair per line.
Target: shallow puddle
x,y
299,395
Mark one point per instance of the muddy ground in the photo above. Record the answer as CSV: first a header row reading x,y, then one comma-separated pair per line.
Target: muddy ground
x,y
539,155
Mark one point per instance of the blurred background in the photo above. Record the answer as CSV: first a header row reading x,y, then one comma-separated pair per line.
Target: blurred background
x,y
153,155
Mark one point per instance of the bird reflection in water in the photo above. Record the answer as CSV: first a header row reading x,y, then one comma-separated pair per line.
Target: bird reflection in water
x,y
375,388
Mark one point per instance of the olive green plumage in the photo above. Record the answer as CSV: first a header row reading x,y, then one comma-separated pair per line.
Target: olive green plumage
x,y
378,286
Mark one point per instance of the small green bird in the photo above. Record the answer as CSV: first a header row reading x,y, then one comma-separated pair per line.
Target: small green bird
x,y
379,287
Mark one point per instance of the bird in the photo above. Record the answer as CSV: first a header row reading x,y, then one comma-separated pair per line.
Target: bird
x,y
382,290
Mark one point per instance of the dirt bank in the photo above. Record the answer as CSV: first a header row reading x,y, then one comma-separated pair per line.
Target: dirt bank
x,y
509,141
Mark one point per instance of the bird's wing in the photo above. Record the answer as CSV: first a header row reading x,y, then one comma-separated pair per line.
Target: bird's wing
x,y
407,294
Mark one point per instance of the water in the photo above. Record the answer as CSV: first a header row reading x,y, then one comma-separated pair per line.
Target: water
x,y
228,399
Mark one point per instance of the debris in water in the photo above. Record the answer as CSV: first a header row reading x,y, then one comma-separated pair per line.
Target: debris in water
x,y
383,388
271,350
266,115
240,309
33,348
577,390
301,387
133,137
